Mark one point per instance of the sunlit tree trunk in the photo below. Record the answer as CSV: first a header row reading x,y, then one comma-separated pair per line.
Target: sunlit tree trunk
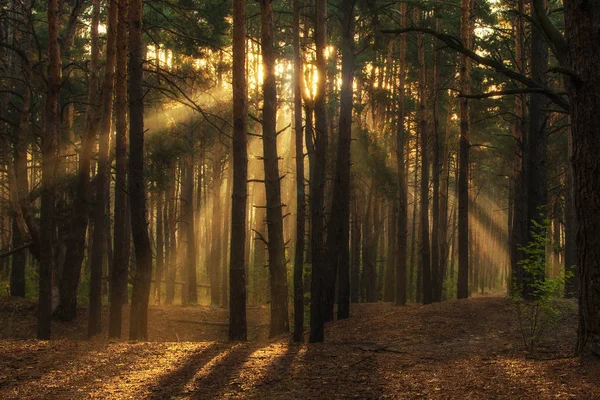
x,y
276,247
171,268
138,329
300,195
187,208
237,270
98,252
160,246
317,182
462,291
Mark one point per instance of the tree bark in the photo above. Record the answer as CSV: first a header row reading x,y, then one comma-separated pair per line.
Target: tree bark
x,y
582,19
276,247
317,182
402,233
98,253
462,291
338,232
300,195
237,270
138,329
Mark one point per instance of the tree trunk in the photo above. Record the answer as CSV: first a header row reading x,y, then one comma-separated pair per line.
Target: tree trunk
x,y
462,290
300,195
171,269
138,329
276,246
317,183
355,249
160,246
237,270
49,160
402,233
98,253
582,19
425,249
338,232
67,308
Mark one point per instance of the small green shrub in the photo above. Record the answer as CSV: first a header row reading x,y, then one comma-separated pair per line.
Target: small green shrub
x,y
537,312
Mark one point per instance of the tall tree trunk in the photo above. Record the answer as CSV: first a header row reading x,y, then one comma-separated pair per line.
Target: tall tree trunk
x,y
300,195
138,329
276,246
425,249
98,253
355,249
160,246
338,232
462,290
317,182
401,257
537,196
67,308
437,278
171,269
582,19
188,211
237,270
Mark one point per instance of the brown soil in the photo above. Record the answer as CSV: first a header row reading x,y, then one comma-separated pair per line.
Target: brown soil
x,y
468,349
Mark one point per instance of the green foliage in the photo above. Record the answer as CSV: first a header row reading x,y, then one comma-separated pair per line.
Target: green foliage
x,y
537,312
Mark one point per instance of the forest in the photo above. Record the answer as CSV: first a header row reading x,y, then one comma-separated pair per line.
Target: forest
x,y
300,199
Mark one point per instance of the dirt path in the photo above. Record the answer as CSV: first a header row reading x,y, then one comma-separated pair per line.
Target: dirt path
x,y
456,350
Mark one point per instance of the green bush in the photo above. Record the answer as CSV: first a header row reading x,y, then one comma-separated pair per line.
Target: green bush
x,y
537,312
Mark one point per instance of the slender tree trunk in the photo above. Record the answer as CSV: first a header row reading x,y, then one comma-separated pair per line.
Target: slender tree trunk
x,y
537,190
160,246
98,253
300,195
138,329
338,232
355,249
237,270
67,308
401,257
317,183
462,291
172,233
572,281
49,160
188,214
276,247
425,249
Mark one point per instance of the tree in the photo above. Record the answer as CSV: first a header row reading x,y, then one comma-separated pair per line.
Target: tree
x,y
121,237
138,329
49,160
317,182
237,273
402,255
463,178
338,231
276,246
300,195
424,211
102,178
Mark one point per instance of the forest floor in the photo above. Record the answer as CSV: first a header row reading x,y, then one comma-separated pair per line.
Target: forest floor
x,y
469,349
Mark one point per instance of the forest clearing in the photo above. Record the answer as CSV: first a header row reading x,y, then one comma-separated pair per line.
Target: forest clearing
x,y
468,349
